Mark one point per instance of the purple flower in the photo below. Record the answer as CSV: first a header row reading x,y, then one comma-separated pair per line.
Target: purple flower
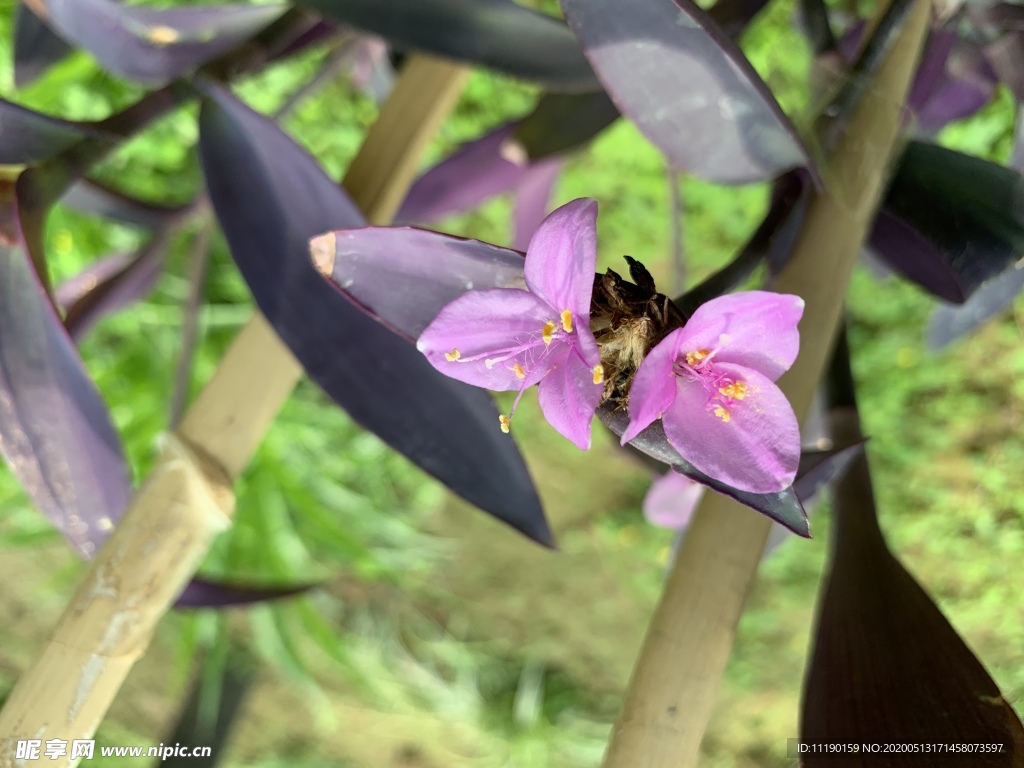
x,y
711,383
510,339
671,500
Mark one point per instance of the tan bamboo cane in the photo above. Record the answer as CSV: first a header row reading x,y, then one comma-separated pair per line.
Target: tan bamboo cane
x,y
188,498
672,690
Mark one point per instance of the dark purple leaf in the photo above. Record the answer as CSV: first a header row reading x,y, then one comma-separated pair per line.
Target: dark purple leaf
x,y
562,122
819,468
78,285
204,593
154,46
211,710
498,34
271,198
318,31
36,47
477,171
701,103
113,289
950,221
734,16
783,507
56,432
404,276
948,323
771,243
887,667
87,196
491,165
29,137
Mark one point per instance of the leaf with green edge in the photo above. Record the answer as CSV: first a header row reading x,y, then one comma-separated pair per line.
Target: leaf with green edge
x,y
156,45
36,47
886,665
271,197
702,104
497,34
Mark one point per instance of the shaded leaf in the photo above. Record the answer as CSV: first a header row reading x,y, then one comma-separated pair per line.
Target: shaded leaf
x,y
948,323
56,431
87,196
771,243
36,47
950,221
271,198
887,666
404,276
29,137
113,284
564,121
206,593
783,507
702,103
498,34
819,468
210,712
154,46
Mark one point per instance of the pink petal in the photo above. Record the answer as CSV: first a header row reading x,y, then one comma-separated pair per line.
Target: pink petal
x,y
562,258
757,450
671,500
761,330
654,386
486,323
568,396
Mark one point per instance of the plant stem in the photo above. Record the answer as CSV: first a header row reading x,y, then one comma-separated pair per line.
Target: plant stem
x,y
669,699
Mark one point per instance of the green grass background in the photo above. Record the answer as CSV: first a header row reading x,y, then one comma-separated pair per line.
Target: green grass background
x,y
440,637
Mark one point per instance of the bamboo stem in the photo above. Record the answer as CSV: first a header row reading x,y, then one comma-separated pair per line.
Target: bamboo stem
x,y
669,699
188,499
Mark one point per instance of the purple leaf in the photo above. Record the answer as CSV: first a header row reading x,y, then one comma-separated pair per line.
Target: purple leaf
x,y
532,198
404,277
887,666
271,198
204,593
948,323
498,34
564,121
783,507
56,431
87,196
701,103
29,137
950,221
819,468
36,47
154,46
113,284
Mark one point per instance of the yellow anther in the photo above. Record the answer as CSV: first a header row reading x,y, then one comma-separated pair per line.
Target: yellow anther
x,y
692,358
735,391
549,330
598,374
520,373
503,420
567,321
452,356
723,414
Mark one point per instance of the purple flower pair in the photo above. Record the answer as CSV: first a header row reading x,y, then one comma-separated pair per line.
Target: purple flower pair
x,y
711,382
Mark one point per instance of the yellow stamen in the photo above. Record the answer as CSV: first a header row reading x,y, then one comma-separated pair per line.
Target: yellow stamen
x,y
692,358
549,330
503,419
723,414
452,356
567,321
520,373
598,374
735,391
